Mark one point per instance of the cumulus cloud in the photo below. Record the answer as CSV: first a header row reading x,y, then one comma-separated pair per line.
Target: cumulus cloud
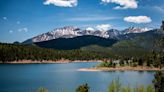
x,y
138,19
103,27
123,4
23,30
61,3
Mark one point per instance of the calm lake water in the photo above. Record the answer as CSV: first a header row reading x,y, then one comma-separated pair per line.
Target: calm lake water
x,y
60,77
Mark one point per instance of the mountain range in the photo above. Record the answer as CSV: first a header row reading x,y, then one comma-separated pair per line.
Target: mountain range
x,y
70,37
71,32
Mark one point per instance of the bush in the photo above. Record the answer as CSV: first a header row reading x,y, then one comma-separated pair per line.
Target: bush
x,y
126,89
159,82
83,88
114,86
150,89
105,64
41,89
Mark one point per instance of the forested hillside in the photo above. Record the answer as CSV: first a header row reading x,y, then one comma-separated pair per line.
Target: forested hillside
x,y
76,42
125,51
12,52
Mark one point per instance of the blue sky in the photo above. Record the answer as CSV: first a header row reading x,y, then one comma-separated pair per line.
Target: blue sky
x,y
23,19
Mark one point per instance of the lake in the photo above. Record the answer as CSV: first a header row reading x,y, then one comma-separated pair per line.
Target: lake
x,y
60,77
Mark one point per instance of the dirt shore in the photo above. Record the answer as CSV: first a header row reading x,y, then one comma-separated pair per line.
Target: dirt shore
x,y
126,68
47,62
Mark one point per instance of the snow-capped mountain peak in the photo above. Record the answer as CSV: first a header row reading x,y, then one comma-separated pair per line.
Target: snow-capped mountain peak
x,y
135,30
90,29
65,32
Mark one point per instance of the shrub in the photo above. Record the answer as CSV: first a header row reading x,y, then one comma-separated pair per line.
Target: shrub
x,y
41,89
114,86
83,88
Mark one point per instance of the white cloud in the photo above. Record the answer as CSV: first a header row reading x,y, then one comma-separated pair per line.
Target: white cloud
x,y
123,4
138,19
91,18
5,18
61,3
103,27
23,30
11,31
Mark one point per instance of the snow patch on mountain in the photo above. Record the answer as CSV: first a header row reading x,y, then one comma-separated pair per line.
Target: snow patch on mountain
x,y
135,30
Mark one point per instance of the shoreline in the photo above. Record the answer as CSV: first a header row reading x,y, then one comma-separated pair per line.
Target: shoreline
x,y
49,62
93,69
125,68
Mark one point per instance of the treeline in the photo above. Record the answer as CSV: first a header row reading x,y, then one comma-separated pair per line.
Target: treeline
x,y
15,52
151,59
